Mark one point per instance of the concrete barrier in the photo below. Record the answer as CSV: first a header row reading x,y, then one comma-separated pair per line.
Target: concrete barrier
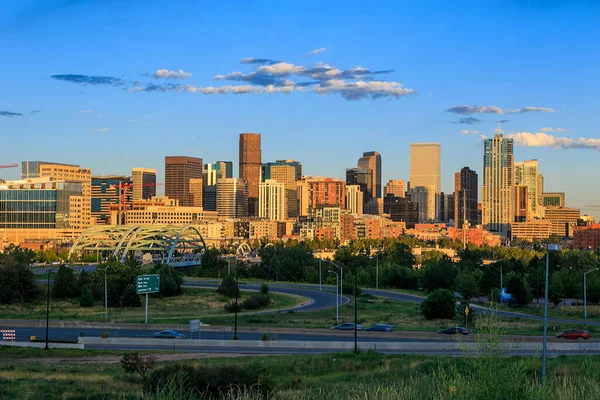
x,y
38,345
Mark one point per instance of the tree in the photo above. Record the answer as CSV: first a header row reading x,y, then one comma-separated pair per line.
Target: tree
x,y
466,284
170,280
66,285
228,287
439,275
394,276
17,283
517,286
135,363
556,290
264,289
87,297
440,304
130,298
400,254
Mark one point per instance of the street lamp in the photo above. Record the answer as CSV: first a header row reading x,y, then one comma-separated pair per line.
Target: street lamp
x,y
585,293
237,288
376,269
337,298
551,247
48,304
106,294
341,274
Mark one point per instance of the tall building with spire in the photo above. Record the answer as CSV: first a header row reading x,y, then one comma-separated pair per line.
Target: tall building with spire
x,y
250,167
465,197
497,212
527,175
371,160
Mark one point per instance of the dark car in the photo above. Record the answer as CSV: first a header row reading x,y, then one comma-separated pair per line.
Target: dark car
x,y
168,334
349,326
380,328
454,330
574,334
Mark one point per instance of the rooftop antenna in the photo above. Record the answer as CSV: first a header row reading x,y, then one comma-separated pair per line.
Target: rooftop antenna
x,y
499,131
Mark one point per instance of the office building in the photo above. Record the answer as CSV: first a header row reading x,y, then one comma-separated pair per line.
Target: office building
x,y
371,161
425,197
354,199
316,192
70,172
531,229
425,165
209,198
178,172
271,200
563,219
395,187
553,199
160,210
363,177
587,237
498,185
402,209
110,190
226,168
232,198
144,183
41,203
197,192
373,207
465,197
287,172
526,175
250,167
446,207
211,173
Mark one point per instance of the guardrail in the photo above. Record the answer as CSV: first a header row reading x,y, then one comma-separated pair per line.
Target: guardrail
x,y
55,339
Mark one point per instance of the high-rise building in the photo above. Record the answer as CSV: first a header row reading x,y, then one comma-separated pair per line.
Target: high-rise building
x,y
465,197
108,190
226,168
553,199
41,203
395,187
271,200
447,208
497,211
197,192
354,199
362,177
287,172
211,173
144,183
425,167
371,160
178,172
209,198
35,169
425,197
526,175
563,219
319,191
250,167
404,210
232,198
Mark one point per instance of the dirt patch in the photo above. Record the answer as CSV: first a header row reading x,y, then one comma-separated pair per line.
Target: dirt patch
x,y
117,359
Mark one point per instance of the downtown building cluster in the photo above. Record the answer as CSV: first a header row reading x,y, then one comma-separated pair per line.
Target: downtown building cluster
x,y
274,200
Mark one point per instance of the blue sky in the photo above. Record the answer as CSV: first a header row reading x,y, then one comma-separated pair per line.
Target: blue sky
x,y
536,62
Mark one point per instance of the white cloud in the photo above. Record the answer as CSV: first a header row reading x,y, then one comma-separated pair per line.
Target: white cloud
x,y
317,51
99,115
468,132
101,130
82,112
542,139
470,109
554,130
166,74
281,68
359,90
131,120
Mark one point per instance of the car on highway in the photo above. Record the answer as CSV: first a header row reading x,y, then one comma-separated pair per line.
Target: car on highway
x,y
579,334
380,328
168,334
349,326
453,330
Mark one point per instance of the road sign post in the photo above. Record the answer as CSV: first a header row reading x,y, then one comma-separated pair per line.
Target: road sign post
x,y
146,284
466,316
194,327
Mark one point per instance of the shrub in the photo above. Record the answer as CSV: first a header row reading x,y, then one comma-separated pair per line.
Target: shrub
x,y
228,287
87,297
130,298
439,304
256,301
136,363
105,335
170,280
348,288
264,289
212,382
231,307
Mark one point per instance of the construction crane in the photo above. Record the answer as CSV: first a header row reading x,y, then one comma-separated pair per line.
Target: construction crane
x,y
125,189
9,166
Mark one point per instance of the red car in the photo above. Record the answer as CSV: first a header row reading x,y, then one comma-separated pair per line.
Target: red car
x,y
574,334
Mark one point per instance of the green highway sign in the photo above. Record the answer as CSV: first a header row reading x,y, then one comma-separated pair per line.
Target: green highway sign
x,y
147,284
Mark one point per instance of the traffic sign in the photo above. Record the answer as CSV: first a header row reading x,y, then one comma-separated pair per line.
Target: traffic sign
x,y
147,284
194,325
467,310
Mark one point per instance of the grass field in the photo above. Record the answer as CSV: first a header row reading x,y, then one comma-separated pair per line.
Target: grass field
x,y
333,376
193,303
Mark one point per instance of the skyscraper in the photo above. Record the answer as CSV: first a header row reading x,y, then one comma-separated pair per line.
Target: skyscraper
x,y
425,197
526,175
354,199
425,166
497,212
178,172
314,192
226,168
465,197
271,200
250,167
141,177
371,160
362,177
287,172
395,187
107,191
232,198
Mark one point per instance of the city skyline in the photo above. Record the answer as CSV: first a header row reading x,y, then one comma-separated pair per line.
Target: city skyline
x,y
452,105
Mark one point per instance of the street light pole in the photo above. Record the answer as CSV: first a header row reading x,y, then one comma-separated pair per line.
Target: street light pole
x,y
320,287
551,247
377,271
337,298
341,275
585,293
48,304
355,313
237,288
106,295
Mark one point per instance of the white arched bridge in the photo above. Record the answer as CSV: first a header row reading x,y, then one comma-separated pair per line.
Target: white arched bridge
x,y
176,245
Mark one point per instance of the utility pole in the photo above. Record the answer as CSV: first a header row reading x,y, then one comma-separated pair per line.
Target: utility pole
x,y
237,288
355,312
